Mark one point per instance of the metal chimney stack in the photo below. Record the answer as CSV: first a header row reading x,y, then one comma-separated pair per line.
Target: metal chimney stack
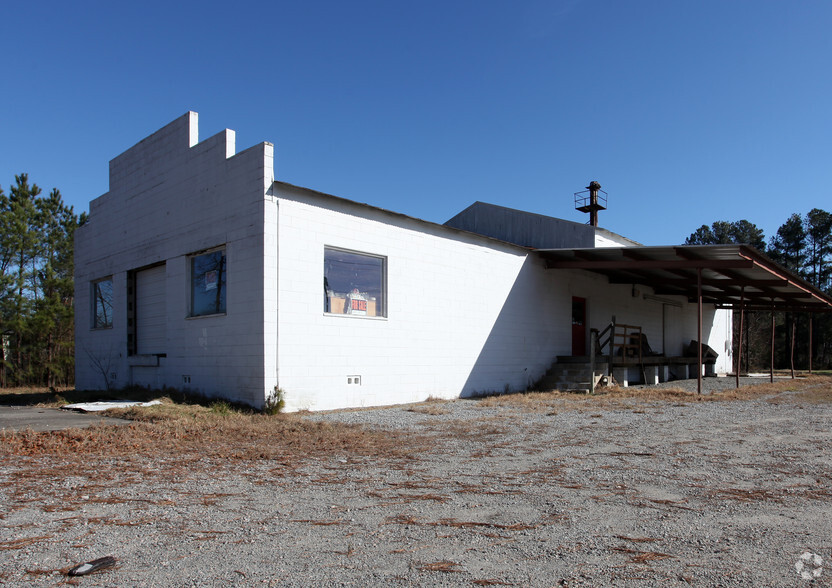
x,y
595,200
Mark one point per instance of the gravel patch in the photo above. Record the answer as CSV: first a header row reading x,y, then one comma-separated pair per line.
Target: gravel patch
x,y
630,493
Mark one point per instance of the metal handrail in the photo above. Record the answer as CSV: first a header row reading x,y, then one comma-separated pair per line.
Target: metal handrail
x,y
582,199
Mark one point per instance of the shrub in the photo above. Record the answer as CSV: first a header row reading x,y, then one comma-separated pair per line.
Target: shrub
x,y
275,402
221,407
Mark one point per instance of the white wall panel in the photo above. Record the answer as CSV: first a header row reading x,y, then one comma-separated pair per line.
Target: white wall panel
x,y
151,311
465,314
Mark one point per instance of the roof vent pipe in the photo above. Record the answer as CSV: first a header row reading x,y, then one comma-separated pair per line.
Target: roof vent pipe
x,y
591,200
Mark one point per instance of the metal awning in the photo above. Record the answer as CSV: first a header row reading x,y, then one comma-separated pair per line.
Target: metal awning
x,y
732,276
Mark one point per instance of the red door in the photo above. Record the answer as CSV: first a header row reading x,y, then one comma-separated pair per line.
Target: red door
x,y
578,326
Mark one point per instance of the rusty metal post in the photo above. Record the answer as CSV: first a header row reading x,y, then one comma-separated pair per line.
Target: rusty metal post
x,y
593,204
612,348
811,320
742,320
748,345
771,366
699,329
791,350
593,341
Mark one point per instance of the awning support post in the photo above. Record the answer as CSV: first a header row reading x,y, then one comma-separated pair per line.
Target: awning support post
x,y
742,320
612,348
811,320
791,350
593,341
699,329
771,365
748,345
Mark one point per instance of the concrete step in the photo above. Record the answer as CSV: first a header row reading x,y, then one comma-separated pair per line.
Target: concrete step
x,y
550,383
576,388
571,374
559,378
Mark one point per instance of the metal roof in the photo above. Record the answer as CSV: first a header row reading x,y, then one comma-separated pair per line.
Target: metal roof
x,y
399,215
732,275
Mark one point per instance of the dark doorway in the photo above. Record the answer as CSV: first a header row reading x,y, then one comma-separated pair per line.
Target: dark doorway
x,y
578,326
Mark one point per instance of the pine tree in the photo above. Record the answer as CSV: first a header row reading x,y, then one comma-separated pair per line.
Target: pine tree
x,y
6,258
727,233
23,243
36,286
819,237
52,322
748,233
819,272
788,246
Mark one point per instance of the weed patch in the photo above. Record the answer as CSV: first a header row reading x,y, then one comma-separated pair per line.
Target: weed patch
x,y
276,402
431,409
219,431
810,389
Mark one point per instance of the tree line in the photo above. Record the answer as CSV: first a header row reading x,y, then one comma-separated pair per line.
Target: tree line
x,y
802,244
37,330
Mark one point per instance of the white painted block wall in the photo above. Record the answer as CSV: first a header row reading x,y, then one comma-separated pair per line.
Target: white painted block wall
x,y
171,196
465,314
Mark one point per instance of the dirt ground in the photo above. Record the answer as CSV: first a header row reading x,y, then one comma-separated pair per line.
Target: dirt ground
x,y
652,490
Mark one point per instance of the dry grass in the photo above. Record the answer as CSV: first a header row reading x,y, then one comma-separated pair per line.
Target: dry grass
x,y
530,400
818,394
813,389
23,542
642,557
221,431
636,539
432,406
402,519
214,432
802,492
440,566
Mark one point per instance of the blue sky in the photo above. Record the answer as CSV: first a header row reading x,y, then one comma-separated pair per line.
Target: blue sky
x,y
686,112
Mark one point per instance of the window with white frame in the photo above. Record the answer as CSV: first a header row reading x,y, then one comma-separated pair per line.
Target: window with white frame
x,y
354,283
102,303
208,283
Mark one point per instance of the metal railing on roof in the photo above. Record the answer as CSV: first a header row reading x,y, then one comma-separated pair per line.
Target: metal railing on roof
x,y
583,200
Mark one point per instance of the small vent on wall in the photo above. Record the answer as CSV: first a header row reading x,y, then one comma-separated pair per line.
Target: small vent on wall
x,y
186,379
354,380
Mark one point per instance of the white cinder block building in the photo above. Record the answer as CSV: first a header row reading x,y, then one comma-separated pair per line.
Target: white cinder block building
x,y
199,271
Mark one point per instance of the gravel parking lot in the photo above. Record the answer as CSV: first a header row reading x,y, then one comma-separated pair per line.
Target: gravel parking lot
x,y
585,491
